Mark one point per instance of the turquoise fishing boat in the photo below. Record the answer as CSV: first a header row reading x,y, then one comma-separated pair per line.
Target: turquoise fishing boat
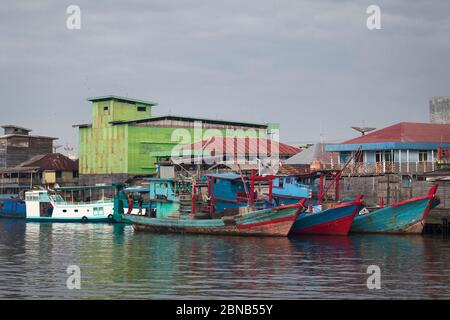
x,y
266,222
174,206
405,217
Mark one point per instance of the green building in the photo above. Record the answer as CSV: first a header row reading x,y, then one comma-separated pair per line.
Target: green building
x,y
124,140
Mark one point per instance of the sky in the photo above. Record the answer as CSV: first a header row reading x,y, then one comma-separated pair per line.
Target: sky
x,y
313,66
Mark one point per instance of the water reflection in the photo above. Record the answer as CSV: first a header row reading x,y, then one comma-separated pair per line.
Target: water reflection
x,y
116,263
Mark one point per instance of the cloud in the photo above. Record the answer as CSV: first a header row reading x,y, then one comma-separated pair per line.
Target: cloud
x,y
311,65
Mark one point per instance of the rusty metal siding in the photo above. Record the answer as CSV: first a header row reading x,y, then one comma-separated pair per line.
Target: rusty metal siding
x,y
17,149
103,150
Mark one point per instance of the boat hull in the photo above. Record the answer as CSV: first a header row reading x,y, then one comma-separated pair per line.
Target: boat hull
x,y
12,208
334,221
275,222
407,217
67,220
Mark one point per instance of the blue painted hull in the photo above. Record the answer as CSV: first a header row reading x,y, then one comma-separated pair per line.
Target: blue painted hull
x,y
407,217
12,208
333,221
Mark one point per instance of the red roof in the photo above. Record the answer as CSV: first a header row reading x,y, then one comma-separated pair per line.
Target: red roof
x,y
407,132
242,146
52,161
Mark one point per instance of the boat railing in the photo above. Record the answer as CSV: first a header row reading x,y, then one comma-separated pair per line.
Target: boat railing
x,y
61,201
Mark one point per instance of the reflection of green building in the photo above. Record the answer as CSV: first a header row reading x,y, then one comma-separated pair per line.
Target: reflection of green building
x,y
124,139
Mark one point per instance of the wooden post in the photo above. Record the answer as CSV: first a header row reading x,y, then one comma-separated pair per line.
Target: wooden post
x,y
320,188
194,197
407,160
252,187
271,190
211,195
388,191
337,189
432,160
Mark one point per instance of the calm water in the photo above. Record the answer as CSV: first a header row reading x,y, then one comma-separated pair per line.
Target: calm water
x,y
117,263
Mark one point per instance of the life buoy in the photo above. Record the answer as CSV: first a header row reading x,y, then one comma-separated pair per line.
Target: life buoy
x,y
84,219
110,217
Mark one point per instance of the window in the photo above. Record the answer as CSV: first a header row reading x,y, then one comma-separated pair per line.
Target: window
x,y
423,156
388,156
378,156
406,181
141,109
106,109
383,156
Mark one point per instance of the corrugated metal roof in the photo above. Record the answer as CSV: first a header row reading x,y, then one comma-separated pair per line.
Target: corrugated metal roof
x,y
314,153
241,146
119,98
53,162
406,132
5,126
191,119
26,136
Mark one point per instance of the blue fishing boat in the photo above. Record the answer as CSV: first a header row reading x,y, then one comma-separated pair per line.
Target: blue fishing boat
x,y
12,208
290,189
405,217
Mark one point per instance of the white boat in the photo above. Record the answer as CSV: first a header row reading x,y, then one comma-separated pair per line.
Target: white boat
x,y
51,206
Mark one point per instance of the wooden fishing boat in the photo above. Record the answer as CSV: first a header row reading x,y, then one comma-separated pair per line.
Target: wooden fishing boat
x,y
322,218
405,217
76,206
266,222
180,206
336,220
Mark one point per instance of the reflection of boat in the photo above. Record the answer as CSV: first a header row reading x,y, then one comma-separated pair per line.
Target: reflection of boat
x,y
402,217
43,205
335,220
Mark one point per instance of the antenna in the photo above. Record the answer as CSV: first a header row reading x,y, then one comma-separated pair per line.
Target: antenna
x,y
363,129
69,151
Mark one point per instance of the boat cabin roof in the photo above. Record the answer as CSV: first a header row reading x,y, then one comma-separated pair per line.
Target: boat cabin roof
x,y
81,188
226,176
141,190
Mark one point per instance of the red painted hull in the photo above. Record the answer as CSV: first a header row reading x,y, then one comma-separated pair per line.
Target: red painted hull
x,y
339,227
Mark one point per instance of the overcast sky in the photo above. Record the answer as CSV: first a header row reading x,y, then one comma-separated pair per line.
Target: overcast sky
x,y
313,66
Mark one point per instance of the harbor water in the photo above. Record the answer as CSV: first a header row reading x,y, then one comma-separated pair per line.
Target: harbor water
x,y
117,263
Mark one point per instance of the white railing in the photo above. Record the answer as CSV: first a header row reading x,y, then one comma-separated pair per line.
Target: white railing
x,y
389,167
